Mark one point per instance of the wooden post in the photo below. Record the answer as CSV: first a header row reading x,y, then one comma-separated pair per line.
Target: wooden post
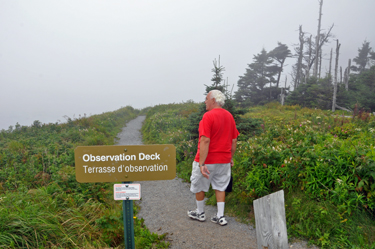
x,y
270,221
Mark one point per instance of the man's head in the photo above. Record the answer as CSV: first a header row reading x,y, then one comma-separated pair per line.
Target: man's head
x,y
214,99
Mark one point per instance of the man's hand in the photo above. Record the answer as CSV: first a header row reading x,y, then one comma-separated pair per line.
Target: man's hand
x,y
231,162
205,171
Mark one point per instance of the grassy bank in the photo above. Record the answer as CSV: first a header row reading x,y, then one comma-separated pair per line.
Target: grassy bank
x,y
325,163
41,203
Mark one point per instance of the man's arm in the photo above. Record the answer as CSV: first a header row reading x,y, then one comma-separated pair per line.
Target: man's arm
x,y
233,150
203,152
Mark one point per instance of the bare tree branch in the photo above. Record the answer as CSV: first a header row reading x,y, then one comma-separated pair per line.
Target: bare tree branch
x,y
343,108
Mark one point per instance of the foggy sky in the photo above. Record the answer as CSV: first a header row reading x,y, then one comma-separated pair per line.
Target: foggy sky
x,y
76,57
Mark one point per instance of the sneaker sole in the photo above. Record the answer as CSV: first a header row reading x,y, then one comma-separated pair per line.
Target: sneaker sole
x,y
193,218
196,219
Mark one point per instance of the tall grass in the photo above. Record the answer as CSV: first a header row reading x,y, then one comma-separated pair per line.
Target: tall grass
x,y
41,203
48,217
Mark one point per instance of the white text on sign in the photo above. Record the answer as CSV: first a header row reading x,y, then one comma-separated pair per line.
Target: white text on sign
x,y
126,168
155,156
120,157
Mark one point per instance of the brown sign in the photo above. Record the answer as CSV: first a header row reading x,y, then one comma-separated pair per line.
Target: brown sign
x,y
120,163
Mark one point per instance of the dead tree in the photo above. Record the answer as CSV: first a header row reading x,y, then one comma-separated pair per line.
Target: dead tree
x,y
307,70
323,40
335,78
317,40
334,104
283,91
320,63
297,80
347,75
330,66
340,74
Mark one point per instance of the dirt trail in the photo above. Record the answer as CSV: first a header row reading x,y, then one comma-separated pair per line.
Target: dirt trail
x,y
164,206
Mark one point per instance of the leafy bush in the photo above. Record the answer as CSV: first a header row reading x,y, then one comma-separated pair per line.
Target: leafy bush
x,y
324,162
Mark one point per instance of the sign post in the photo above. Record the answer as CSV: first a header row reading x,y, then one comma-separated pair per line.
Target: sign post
x,y
125,163
127,192
127,210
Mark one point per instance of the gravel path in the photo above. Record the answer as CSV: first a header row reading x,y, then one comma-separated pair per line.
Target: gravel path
x,y
164,206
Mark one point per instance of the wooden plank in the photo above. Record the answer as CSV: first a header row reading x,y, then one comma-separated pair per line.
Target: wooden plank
x,y
270,221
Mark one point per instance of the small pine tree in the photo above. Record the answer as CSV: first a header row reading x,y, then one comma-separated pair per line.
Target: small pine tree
x,y
217,78
363,58
247,127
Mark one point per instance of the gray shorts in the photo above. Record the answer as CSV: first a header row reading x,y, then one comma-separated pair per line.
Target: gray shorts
x,y
219,177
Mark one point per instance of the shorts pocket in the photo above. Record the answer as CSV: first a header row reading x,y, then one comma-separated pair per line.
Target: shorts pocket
x,y
195,173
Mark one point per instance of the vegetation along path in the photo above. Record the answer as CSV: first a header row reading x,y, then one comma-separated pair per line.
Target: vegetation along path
x,y
164,206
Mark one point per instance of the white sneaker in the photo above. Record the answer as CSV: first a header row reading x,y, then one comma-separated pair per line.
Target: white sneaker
x,y
197,216
221,221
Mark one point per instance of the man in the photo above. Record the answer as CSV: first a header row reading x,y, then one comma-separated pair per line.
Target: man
x,y
214,159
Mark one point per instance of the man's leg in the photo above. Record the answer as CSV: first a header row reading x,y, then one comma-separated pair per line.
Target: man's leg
x,y
199,197
201,184
219,217
220,199
220,196
198,214
219,183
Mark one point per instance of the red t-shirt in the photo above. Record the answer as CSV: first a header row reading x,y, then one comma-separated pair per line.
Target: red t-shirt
x,y
218,125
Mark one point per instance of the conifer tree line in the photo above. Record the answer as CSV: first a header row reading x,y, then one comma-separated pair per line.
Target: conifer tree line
x,y
262,83
339,87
